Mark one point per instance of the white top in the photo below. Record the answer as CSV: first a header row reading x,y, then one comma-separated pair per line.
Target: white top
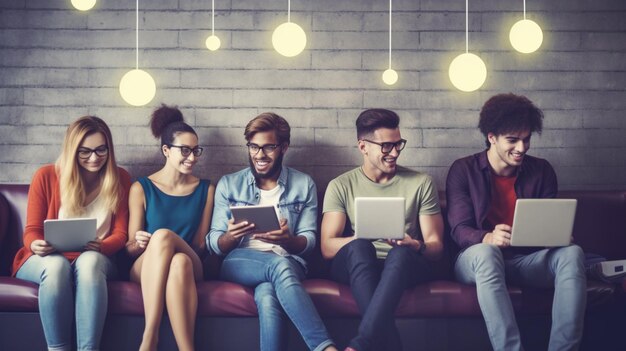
x,y
94,210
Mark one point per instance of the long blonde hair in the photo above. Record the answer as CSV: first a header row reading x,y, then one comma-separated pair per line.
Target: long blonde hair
x,y
70,181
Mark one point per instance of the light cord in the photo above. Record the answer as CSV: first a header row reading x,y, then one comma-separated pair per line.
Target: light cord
x,y
137,37
390,34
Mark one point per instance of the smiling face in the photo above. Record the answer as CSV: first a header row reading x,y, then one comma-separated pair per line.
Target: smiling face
x,y
266,165
374,160
97,143
183,164
507,151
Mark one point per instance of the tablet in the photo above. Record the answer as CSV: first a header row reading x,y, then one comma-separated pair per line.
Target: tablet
x,y
543,222
69,234
263,216
379,217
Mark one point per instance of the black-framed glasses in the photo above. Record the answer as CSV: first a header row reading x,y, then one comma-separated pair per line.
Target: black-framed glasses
x,y
186,150
267,148
85,153
386,148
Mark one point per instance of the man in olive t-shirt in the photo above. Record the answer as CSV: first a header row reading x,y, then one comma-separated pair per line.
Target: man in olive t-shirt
x,y
378,272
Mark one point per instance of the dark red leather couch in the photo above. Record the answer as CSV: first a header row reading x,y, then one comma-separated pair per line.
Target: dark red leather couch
x,y
440,315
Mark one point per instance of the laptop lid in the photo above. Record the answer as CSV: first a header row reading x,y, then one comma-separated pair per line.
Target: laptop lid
x,y
69,234
543,222
379,217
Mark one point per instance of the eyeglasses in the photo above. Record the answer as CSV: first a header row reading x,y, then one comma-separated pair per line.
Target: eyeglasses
x,y
267,148
386,148
186,150
84,153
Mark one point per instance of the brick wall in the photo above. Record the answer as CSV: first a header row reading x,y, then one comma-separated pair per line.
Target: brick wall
x,y
57,64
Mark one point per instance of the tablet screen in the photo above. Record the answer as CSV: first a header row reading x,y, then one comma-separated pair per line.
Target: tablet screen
x,y
263,216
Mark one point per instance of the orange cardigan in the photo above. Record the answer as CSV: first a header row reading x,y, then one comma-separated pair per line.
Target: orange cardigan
x,y
44,201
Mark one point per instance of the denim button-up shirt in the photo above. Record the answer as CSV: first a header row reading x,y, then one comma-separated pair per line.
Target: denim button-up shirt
x,y
297,204
468,193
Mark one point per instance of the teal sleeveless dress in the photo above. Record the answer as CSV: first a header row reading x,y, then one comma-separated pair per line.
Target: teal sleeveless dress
x,y
180,214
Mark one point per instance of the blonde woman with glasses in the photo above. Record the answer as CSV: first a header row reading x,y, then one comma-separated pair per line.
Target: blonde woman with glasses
x,y
170,212
85,182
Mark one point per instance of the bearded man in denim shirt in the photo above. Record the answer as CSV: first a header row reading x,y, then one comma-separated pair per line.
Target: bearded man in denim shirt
x,y
270,262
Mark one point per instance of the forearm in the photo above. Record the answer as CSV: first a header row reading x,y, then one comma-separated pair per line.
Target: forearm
x,y
296,244
433,250
226,243
331,246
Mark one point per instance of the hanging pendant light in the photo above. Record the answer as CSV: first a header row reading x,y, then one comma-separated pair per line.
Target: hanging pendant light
x,y
137,87
526,35
83,5
390,76
289,38
467,71
213,42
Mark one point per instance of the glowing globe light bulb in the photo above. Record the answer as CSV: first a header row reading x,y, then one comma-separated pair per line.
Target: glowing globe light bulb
x,y
390,77
467,72
137,87
213,43
289,39
83,5
526,36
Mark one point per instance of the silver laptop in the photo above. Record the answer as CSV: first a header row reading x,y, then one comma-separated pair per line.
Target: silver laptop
x,y
543,222
69,234
379,217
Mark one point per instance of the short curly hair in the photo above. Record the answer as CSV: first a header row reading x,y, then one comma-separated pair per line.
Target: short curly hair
x,y
507,113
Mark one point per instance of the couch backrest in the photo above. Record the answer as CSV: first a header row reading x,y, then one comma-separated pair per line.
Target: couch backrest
x,y
600,225
12,220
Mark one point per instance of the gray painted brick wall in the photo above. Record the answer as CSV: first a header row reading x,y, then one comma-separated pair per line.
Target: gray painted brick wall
x,y
57,64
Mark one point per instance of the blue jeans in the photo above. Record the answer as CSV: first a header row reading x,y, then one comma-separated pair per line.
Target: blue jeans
x,y
277,287
377,286
559,268
57,279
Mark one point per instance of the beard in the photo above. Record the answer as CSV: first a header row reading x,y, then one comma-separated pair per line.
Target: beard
x,y
272,172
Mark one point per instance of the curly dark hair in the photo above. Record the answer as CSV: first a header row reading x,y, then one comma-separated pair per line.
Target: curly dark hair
x,y
167,122
507,113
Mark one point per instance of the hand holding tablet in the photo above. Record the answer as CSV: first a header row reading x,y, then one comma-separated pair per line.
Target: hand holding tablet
x,y
263,217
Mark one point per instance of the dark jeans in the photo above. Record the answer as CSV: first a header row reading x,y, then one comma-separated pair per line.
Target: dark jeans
x,y
377,286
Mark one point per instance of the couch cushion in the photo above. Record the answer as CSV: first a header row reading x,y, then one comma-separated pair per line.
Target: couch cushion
x,y
18,295
437,298
215,298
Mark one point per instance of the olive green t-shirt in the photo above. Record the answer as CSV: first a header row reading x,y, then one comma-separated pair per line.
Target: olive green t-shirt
x,y
417,188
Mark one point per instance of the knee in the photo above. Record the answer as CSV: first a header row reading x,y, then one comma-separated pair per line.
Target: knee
x,y
486,258
282,268
265,295
360,250
181,266
571,256
399,255
91,265
161,238
57,269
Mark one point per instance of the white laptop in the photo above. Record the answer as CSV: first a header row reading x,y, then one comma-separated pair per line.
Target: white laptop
x,y
69,234
379,217
543,222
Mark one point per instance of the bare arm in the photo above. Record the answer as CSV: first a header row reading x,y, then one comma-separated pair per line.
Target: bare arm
x,y
137,213
205,221
333,224
432,232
